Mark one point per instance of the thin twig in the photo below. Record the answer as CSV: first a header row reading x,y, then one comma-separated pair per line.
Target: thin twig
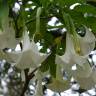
x,y
26,82
59,93
27,79
31,75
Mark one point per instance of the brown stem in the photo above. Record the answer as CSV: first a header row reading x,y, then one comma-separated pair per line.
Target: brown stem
x,y
26,82
25,87
27,79
31,75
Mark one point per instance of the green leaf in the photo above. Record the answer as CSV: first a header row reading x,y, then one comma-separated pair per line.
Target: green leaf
x,y
44,35
19,25
52,64
31,22
61,47
49,64
37,2
85,8
92,2
45,65
79,19
11,3
45,3
69,2
90,22
31,27
4,11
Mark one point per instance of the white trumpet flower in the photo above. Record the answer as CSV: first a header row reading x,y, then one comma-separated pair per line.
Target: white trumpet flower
x,y
59,84
85,82
93,74
87,43
72,56
29,57
82,71
7,35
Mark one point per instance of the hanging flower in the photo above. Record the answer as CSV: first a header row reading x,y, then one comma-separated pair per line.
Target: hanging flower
x,y
7,35
59,84
93,74
76,54
29,57
82,71
85,82
87,43
89,80
70,57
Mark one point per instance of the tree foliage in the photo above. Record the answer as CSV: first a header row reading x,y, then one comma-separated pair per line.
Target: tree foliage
x,y
35,15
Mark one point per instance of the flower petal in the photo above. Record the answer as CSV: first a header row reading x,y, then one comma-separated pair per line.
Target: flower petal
x,y
87,43
29,56
70,57
83,71
85,83
14,56
59,86
7,38
26,41
93,74
26,60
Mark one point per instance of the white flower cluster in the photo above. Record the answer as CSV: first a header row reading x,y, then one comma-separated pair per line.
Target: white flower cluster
x,y
30,57
82,71
75,63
